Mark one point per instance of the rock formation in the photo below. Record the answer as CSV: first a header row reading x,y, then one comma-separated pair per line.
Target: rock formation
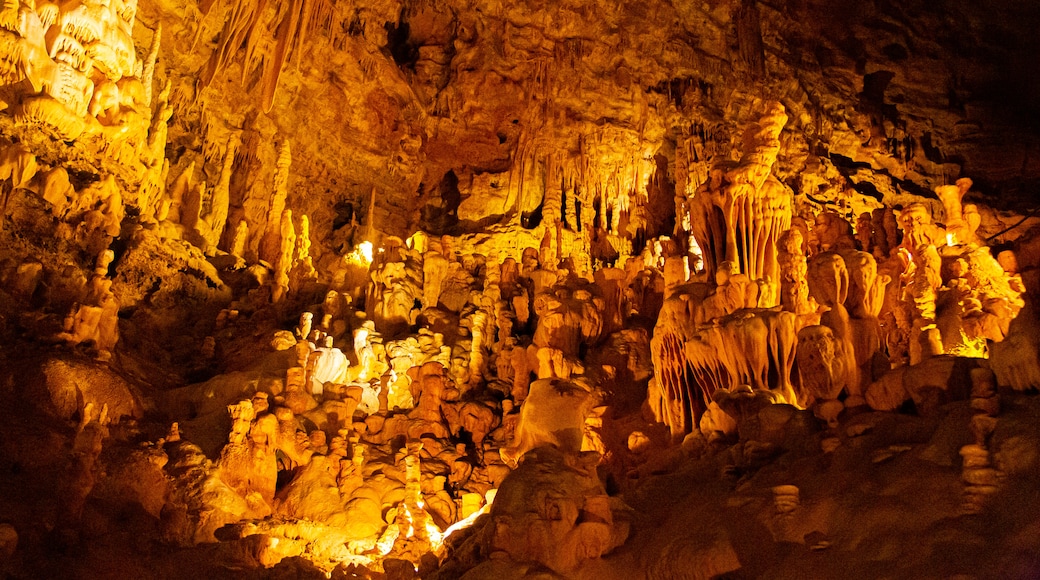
x,y
474,290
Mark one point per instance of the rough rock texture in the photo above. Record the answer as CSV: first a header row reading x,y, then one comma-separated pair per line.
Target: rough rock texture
x,y
848,504
452,116
730,288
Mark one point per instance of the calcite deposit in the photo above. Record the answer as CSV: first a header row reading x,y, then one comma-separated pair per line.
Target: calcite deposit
x,y
464,290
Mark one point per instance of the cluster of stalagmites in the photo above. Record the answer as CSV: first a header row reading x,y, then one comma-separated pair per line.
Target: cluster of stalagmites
x,y
465,360
427,368
401,404
89,219
419,373
797,306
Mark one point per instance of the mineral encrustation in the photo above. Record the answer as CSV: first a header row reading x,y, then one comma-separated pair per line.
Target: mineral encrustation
x,y
458,289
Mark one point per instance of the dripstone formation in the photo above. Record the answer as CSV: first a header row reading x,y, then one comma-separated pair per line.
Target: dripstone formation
x,y
471,290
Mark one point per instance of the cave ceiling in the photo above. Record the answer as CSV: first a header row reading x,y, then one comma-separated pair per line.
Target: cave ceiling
x,y
456,114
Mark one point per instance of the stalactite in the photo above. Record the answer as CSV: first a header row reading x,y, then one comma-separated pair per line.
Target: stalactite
x,y
681,408
267,45
148,69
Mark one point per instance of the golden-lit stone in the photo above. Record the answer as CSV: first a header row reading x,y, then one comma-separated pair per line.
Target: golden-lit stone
x,y
440,289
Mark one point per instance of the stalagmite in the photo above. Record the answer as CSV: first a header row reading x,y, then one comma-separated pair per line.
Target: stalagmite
x,y
153,180
829,284
220,197
284,262
182,187
239,239
273,238
794,290
191,210
740,212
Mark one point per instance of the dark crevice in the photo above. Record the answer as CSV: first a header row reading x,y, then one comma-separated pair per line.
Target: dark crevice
x,y
848,167
404,52
344,214
440,211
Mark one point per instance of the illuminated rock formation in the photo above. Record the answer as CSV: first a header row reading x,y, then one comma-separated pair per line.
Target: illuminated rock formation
x,y
553,413
719,262
738,214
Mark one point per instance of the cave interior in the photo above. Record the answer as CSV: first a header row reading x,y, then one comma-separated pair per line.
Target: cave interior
x,y
454,289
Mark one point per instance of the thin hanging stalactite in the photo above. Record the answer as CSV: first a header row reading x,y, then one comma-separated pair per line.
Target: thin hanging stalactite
x,y
266,50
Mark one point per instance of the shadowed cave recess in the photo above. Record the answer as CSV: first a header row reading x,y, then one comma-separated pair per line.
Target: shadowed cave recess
x,y
461,289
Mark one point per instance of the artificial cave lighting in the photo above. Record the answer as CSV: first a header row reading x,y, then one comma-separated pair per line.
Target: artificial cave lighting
x,y
475,291
363,253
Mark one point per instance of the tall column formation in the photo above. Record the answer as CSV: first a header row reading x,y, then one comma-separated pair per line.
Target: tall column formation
x,y
217,215
583,259
552,213
172,207
153,155
273,237
284,259
738,214
250,195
